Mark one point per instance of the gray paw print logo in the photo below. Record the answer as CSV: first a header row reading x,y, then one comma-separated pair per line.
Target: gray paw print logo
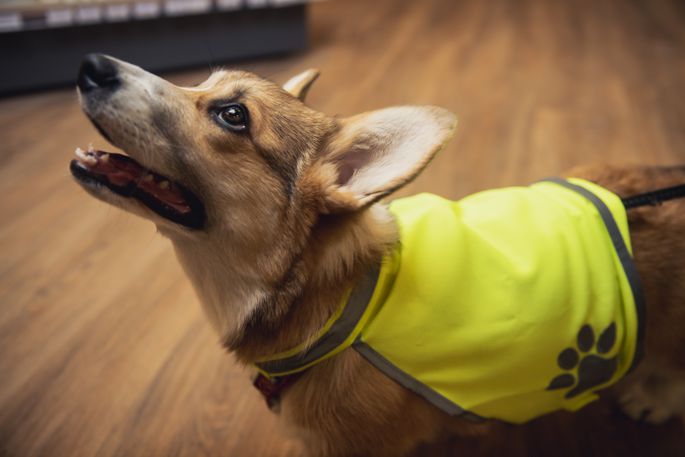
x,y
586,370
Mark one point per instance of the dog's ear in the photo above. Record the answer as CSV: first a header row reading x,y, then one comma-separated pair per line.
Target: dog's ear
x,y
299,85
376,153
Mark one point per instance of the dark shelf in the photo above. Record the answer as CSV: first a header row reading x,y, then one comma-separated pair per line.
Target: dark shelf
x,y
37,56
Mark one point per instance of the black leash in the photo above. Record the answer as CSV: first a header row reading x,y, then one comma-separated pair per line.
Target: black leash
x,y
655,197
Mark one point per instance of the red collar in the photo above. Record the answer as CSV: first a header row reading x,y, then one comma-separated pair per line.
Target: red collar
x,y
271,388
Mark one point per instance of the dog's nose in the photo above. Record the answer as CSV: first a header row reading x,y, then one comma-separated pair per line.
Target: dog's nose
x,y
97,72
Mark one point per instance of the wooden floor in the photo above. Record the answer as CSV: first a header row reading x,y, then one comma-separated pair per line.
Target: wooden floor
x,y
103,349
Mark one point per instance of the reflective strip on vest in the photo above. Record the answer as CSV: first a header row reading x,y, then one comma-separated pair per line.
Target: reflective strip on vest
x,y
339,335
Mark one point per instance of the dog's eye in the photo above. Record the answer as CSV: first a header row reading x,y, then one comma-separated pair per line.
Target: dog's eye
x,y
233,116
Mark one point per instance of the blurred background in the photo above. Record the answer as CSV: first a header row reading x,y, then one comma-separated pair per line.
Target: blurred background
x,y
103,347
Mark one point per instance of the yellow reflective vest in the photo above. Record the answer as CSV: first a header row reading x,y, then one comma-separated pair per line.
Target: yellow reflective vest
x,y
507,304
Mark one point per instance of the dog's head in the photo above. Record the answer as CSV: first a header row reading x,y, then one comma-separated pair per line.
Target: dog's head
x,y
240,162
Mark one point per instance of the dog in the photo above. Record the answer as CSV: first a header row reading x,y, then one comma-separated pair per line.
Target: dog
x,y
274,211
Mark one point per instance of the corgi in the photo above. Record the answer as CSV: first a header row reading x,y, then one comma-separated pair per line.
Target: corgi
x,y
274,211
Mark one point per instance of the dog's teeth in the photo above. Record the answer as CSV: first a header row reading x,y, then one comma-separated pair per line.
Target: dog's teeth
x,y
148,178
85,157
104,157
164,184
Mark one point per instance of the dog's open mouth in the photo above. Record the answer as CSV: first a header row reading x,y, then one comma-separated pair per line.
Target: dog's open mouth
x,y
127,178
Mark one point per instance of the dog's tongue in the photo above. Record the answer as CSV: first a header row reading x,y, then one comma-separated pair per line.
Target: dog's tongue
x,y
121,170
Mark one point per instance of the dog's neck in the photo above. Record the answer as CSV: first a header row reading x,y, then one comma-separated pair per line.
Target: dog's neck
x,y
257,318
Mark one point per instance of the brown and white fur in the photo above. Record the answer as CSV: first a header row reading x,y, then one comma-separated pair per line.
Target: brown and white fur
x,y
294,217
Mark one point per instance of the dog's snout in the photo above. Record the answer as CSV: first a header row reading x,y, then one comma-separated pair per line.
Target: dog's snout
x,y
97,72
